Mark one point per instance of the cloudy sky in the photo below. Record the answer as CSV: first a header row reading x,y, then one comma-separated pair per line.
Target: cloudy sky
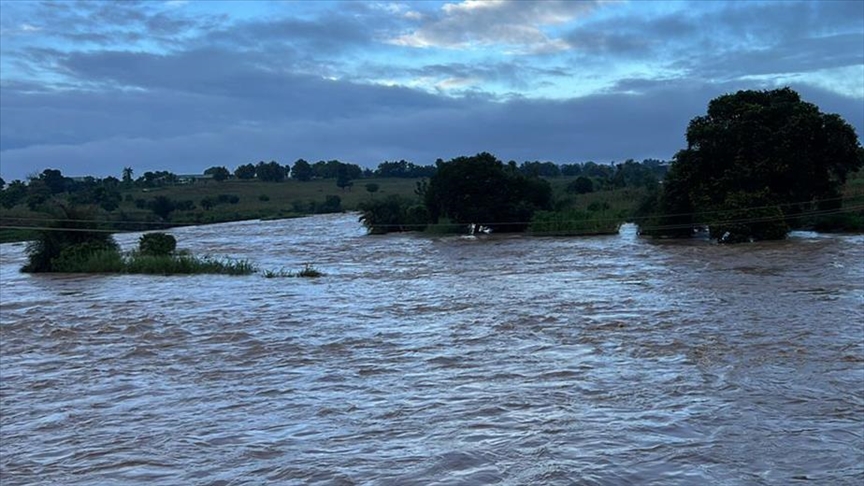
x,y
91,87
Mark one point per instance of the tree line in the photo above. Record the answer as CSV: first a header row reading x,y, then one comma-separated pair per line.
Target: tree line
x,y
757,165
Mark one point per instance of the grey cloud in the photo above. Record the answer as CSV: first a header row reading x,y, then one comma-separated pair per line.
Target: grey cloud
x,y
794,56
309,117
515,74
730,41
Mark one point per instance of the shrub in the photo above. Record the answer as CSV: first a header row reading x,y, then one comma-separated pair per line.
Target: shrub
x,y
156,244
72,240
88,257
393,214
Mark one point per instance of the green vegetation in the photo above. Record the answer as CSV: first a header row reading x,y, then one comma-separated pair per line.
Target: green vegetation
x,y
74,243
157,244
572,223
184,264
482,190
393,214
758,164
71,242
308,271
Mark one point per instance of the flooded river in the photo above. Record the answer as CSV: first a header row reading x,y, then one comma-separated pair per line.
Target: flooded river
x,y
440,360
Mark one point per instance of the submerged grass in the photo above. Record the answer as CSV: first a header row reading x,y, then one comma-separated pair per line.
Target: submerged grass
x,y
185,264
573,223
308,272
111,261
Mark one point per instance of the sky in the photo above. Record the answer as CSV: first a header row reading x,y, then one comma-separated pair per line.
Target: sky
x,y
91,87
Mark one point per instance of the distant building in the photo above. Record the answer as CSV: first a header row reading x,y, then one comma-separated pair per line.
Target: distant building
x,y
193,178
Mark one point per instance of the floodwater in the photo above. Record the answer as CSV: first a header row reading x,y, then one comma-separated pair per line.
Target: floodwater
x,y
440,360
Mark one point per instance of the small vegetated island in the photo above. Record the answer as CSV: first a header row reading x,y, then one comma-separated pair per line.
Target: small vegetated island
x,y
757,165
74,245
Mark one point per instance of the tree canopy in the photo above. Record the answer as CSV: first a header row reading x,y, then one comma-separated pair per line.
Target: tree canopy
x,y
755,161
482,190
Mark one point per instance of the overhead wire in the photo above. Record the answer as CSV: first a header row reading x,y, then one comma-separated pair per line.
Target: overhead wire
x,y
695,213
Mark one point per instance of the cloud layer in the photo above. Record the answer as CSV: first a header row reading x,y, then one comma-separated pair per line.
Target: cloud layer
x,y
184,86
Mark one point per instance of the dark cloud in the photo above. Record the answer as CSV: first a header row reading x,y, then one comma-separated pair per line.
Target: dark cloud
x,y
224,92
320,119
732,39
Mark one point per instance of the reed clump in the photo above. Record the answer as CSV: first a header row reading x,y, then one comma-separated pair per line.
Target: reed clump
x,y
308,271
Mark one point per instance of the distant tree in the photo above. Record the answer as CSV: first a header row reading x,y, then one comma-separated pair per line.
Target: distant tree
x,y
343,178
570,170
755,161
540,169
403,168
633,174
13,194
246,171
162,206
219,173
326,170
372,188
54,180
207,203
270,171
107,198
2,183
581,185
302,171
127,176
158,178
38,193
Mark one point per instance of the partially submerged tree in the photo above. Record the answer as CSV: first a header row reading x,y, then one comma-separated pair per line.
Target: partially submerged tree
x,y
480,190
73,240
754,162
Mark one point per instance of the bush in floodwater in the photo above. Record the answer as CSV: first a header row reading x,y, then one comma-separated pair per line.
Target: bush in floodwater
x,y
157,244
88,258
71,244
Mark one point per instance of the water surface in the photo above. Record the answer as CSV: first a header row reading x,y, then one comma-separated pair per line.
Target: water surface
x,y
440,360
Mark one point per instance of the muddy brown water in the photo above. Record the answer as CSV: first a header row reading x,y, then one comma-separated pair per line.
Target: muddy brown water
x,y
440,360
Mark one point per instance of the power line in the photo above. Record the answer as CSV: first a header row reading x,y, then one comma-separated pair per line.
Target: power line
x,y
166,225
559,222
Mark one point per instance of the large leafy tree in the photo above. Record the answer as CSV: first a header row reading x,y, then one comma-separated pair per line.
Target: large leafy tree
x,y
270,171
219,173
245,171
755,161
302,170
481,190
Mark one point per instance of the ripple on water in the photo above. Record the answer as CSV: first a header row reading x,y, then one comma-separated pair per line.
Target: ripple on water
x,y
417,360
